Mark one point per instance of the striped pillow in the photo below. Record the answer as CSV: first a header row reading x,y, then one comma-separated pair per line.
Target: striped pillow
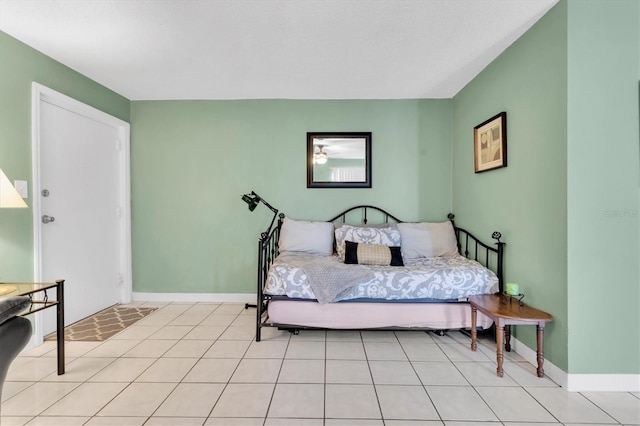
x,y
372,254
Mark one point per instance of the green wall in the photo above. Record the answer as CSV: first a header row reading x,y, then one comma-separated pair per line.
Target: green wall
x,y
602,177
526,200
568,202
20,65
192,160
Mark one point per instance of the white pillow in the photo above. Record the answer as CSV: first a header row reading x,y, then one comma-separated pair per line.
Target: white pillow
x,y
306,237
389,237
427,239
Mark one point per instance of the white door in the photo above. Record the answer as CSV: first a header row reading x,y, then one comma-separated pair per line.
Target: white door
x,y
80,191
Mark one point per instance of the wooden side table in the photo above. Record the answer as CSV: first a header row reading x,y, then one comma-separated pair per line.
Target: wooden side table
x,y
506,311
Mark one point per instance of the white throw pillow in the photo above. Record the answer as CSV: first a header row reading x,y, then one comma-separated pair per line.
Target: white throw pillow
x,y
306,237
427,239
389,237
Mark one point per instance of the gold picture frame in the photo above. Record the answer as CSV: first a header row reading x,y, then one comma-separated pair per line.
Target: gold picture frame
x,y
490,143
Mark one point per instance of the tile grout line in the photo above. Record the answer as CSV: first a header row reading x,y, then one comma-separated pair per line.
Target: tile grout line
x,y
324,385
472,386
234,370
420,379
190,369
275,385
142,372
150,365
373,382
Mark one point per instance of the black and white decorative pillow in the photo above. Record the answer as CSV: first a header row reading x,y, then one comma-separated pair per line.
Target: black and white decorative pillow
x,y
372,254
389,237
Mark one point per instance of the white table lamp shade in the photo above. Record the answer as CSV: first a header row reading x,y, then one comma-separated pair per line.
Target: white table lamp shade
x,y
9,197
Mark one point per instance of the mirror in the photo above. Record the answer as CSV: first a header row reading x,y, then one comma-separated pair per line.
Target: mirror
x,y
339,160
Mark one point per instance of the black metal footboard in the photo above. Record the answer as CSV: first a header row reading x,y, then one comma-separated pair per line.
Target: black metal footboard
x,y
468,246
267,252
472,248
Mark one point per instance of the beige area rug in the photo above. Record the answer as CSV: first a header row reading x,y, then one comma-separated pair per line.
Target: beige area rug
x,y
104,324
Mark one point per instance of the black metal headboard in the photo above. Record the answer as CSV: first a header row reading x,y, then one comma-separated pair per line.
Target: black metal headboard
x,y
342,217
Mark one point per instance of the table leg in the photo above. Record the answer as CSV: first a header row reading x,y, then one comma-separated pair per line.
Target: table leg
x,y
60,325
507,338
540,351
499,355
474,332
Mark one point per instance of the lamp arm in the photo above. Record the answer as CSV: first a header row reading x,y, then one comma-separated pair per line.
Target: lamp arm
x,y
265,234
273,209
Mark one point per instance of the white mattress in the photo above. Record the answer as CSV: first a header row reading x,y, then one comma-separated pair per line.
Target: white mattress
x,y
354,315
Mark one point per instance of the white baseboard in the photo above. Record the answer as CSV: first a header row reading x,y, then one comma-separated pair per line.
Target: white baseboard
x,y
194,297
604,382
580,382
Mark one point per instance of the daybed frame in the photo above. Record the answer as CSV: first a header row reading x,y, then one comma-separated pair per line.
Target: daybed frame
x,y
468,246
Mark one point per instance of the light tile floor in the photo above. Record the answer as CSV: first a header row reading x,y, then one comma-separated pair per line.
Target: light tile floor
x,y
198,364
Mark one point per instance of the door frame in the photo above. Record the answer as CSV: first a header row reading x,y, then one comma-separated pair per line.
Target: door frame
x,y
41,94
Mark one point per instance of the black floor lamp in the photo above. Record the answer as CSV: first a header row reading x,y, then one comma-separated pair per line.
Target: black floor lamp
x,y
253,200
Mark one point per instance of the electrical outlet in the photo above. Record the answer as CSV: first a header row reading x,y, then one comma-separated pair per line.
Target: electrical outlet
x,y
22,188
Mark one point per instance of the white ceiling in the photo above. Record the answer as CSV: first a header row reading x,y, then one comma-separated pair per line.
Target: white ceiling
x,y
341,147
265,49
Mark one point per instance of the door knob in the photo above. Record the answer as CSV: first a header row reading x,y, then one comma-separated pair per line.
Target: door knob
x,y
48,219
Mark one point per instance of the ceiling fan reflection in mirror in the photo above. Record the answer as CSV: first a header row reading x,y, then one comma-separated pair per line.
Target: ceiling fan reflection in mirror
x,y
320,157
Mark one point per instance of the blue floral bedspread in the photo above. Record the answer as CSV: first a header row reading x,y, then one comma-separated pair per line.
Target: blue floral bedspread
x,y
443,278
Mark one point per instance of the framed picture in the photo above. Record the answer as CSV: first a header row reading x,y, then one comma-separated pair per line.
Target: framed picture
x,y
490,143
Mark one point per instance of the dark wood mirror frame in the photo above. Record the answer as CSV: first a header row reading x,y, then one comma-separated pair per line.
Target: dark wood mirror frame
x,y
312,136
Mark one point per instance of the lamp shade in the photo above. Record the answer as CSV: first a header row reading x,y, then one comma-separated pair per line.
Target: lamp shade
x,y
320,157
252,200
9,197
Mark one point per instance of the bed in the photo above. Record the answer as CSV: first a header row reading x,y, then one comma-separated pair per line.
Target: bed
x,y
367,269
